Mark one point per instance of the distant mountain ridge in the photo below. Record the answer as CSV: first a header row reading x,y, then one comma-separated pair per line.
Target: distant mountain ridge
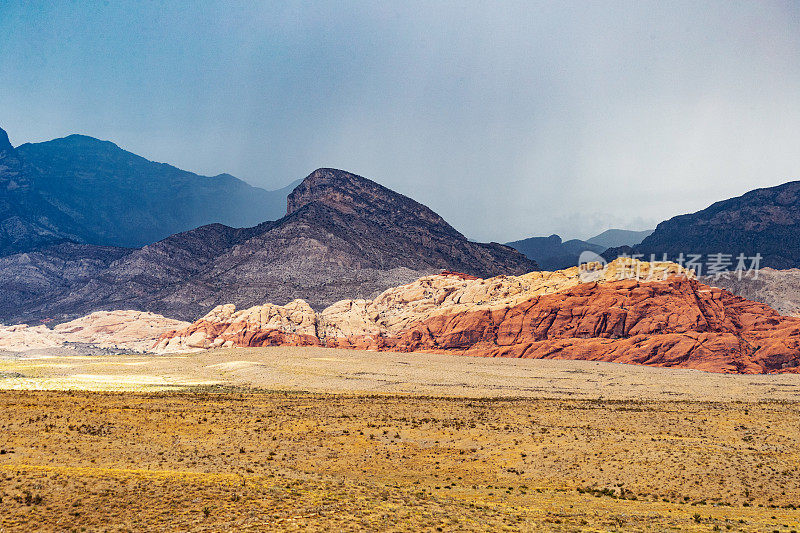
x,y
551,253
619,237
763,221
81,189
343,235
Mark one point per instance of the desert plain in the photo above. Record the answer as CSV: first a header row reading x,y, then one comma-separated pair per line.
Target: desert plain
x,y
253,439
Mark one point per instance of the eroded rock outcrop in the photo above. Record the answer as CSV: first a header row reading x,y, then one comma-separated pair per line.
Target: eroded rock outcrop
x,y
121,330
674,323
261,325
389,313
126,331
22,337
449,294
654,314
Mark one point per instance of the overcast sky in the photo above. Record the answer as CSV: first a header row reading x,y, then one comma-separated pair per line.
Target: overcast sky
x,y
508,119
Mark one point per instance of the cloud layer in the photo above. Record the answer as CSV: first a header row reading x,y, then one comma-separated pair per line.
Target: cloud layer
x,y
509,120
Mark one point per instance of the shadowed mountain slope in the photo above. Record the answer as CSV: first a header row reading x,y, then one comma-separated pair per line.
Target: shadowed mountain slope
x,y
764,221
84,190
27,220
342,235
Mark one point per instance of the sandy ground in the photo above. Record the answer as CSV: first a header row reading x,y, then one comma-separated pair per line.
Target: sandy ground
x,y
351,371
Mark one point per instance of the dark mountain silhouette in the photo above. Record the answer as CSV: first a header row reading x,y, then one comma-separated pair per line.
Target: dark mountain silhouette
x,y
550,253
84,190
342,236
764,221
619,237
27,219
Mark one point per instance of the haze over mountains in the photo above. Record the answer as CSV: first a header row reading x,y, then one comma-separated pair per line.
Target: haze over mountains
x,y
554,254
619,237
551,253
75,211
764,221
342,235
84,190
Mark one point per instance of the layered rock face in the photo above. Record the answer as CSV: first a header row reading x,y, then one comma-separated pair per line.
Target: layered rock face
x,y
51,274
396,309
393,310
675,323
111,330
630,312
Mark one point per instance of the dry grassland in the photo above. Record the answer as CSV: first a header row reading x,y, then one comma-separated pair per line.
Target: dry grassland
x,y
220,459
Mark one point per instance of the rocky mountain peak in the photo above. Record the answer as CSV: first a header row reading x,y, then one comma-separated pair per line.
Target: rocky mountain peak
x,y
352,194
77,140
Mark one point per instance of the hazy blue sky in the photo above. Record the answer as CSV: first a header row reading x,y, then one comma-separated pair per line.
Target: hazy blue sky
x,y
509,119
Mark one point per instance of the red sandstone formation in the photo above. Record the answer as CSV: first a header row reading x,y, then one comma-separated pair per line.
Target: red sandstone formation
x,y
675,322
